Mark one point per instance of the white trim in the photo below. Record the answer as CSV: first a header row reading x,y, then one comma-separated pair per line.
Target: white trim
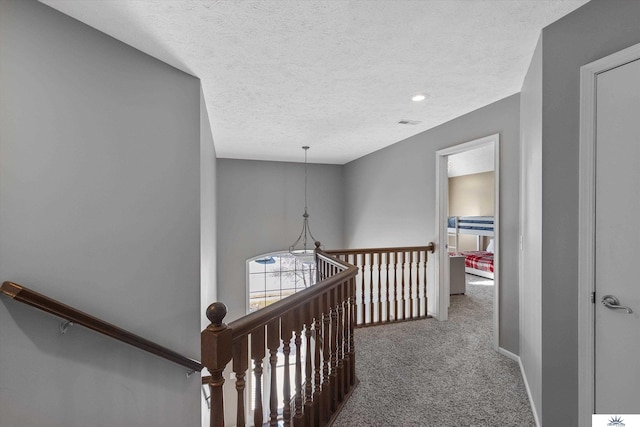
x,y
586,233
480,273
508,354
531,402
496,242
586,227
441,290
441,272
516,358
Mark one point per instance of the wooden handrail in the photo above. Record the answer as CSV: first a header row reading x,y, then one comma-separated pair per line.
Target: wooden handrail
x,y
49,305
430,248
318,321
312,332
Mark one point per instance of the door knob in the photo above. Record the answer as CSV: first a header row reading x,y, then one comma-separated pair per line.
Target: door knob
x,y
612,302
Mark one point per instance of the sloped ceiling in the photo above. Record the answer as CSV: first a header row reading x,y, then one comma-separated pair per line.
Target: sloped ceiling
x,y
335,75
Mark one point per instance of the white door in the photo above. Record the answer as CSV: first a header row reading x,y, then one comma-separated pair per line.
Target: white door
x,y
617,240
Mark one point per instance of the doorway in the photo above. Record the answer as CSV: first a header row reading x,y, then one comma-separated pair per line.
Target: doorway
x,y
609,298
442,273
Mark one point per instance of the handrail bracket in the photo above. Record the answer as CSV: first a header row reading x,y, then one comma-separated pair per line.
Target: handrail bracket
x,y
64,327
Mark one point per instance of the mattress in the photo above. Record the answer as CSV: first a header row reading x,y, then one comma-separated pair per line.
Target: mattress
x,y
480,260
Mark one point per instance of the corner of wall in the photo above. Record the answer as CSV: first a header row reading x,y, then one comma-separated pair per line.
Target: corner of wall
x,y
529,230
208,285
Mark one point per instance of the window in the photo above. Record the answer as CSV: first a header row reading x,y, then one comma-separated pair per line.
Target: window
x,y
277,275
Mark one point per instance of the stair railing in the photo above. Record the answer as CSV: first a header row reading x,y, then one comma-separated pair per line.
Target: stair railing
x,y
318,321
391,283
73,316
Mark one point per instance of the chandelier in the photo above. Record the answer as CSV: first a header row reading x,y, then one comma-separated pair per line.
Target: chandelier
x,y
299,247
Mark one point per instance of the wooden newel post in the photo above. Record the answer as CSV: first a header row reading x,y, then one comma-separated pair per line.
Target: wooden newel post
x,y
216,353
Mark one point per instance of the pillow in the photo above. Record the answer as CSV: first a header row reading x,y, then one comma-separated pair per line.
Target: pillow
x,y
490,246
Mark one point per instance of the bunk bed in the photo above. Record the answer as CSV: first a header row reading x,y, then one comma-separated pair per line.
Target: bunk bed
x,y
478,262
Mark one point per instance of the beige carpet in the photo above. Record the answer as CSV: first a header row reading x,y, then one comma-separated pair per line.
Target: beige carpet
x,y
431,373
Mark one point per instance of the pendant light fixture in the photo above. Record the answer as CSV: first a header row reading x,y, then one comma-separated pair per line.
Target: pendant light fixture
x,y
300,248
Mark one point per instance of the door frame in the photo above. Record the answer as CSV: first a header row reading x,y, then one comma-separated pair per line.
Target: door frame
x,y
442,297
586,226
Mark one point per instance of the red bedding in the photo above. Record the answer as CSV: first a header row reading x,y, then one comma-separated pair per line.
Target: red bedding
x,y
480,260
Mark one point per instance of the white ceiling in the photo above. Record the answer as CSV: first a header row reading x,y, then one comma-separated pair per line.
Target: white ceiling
x,y
334,75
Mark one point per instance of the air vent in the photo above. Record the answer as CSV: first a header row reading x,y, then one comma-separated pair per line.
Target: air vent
x,y
409,122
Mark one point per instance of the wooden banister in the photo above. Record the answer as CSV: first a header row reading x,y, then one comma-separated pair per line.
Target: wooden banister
x,y
318,322
77,317
391,282
355,287
429,248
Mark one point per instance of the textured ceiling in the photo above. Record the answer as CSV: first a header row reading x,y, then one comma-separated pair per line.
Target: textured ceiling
x,y
334,75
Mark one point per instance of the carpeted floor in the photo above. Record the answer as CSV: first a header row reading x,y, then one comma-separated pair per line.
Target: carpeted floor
x,y
431,373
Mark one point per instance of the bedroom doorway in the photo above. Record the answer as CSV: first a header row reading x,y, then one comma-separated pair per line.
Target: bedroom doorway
x,y
486,151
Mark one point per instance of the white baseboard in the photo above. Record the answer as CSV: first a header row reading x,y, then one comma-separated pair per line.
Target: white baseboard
x,y
515,357
510,355
526,384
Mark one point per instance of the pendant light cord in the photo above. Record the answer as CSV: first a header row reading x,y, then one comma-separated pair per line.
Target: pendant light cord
x,y
305,222
305,148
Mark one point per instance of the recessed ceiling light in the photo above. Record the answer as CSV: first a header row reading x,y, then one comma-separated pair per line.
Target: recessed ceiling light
x,y
419,97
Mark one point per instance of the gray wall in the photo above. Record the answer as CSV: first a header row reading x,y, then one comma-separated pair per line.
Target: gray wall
x,y
531,228
391,195
260,206
598,29
99,208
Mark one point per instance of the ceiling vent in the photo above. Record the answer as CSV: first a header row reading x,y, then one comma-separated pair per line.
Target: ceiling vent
x,y
409,122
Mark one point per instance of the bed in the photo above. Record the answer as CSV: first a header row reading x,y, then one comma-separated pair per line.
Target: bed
x,y
478,262
475,225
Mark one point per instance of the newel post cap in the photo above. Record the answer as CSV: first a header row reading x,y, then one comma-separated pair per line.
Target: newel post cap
x,y
216,339
216,313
